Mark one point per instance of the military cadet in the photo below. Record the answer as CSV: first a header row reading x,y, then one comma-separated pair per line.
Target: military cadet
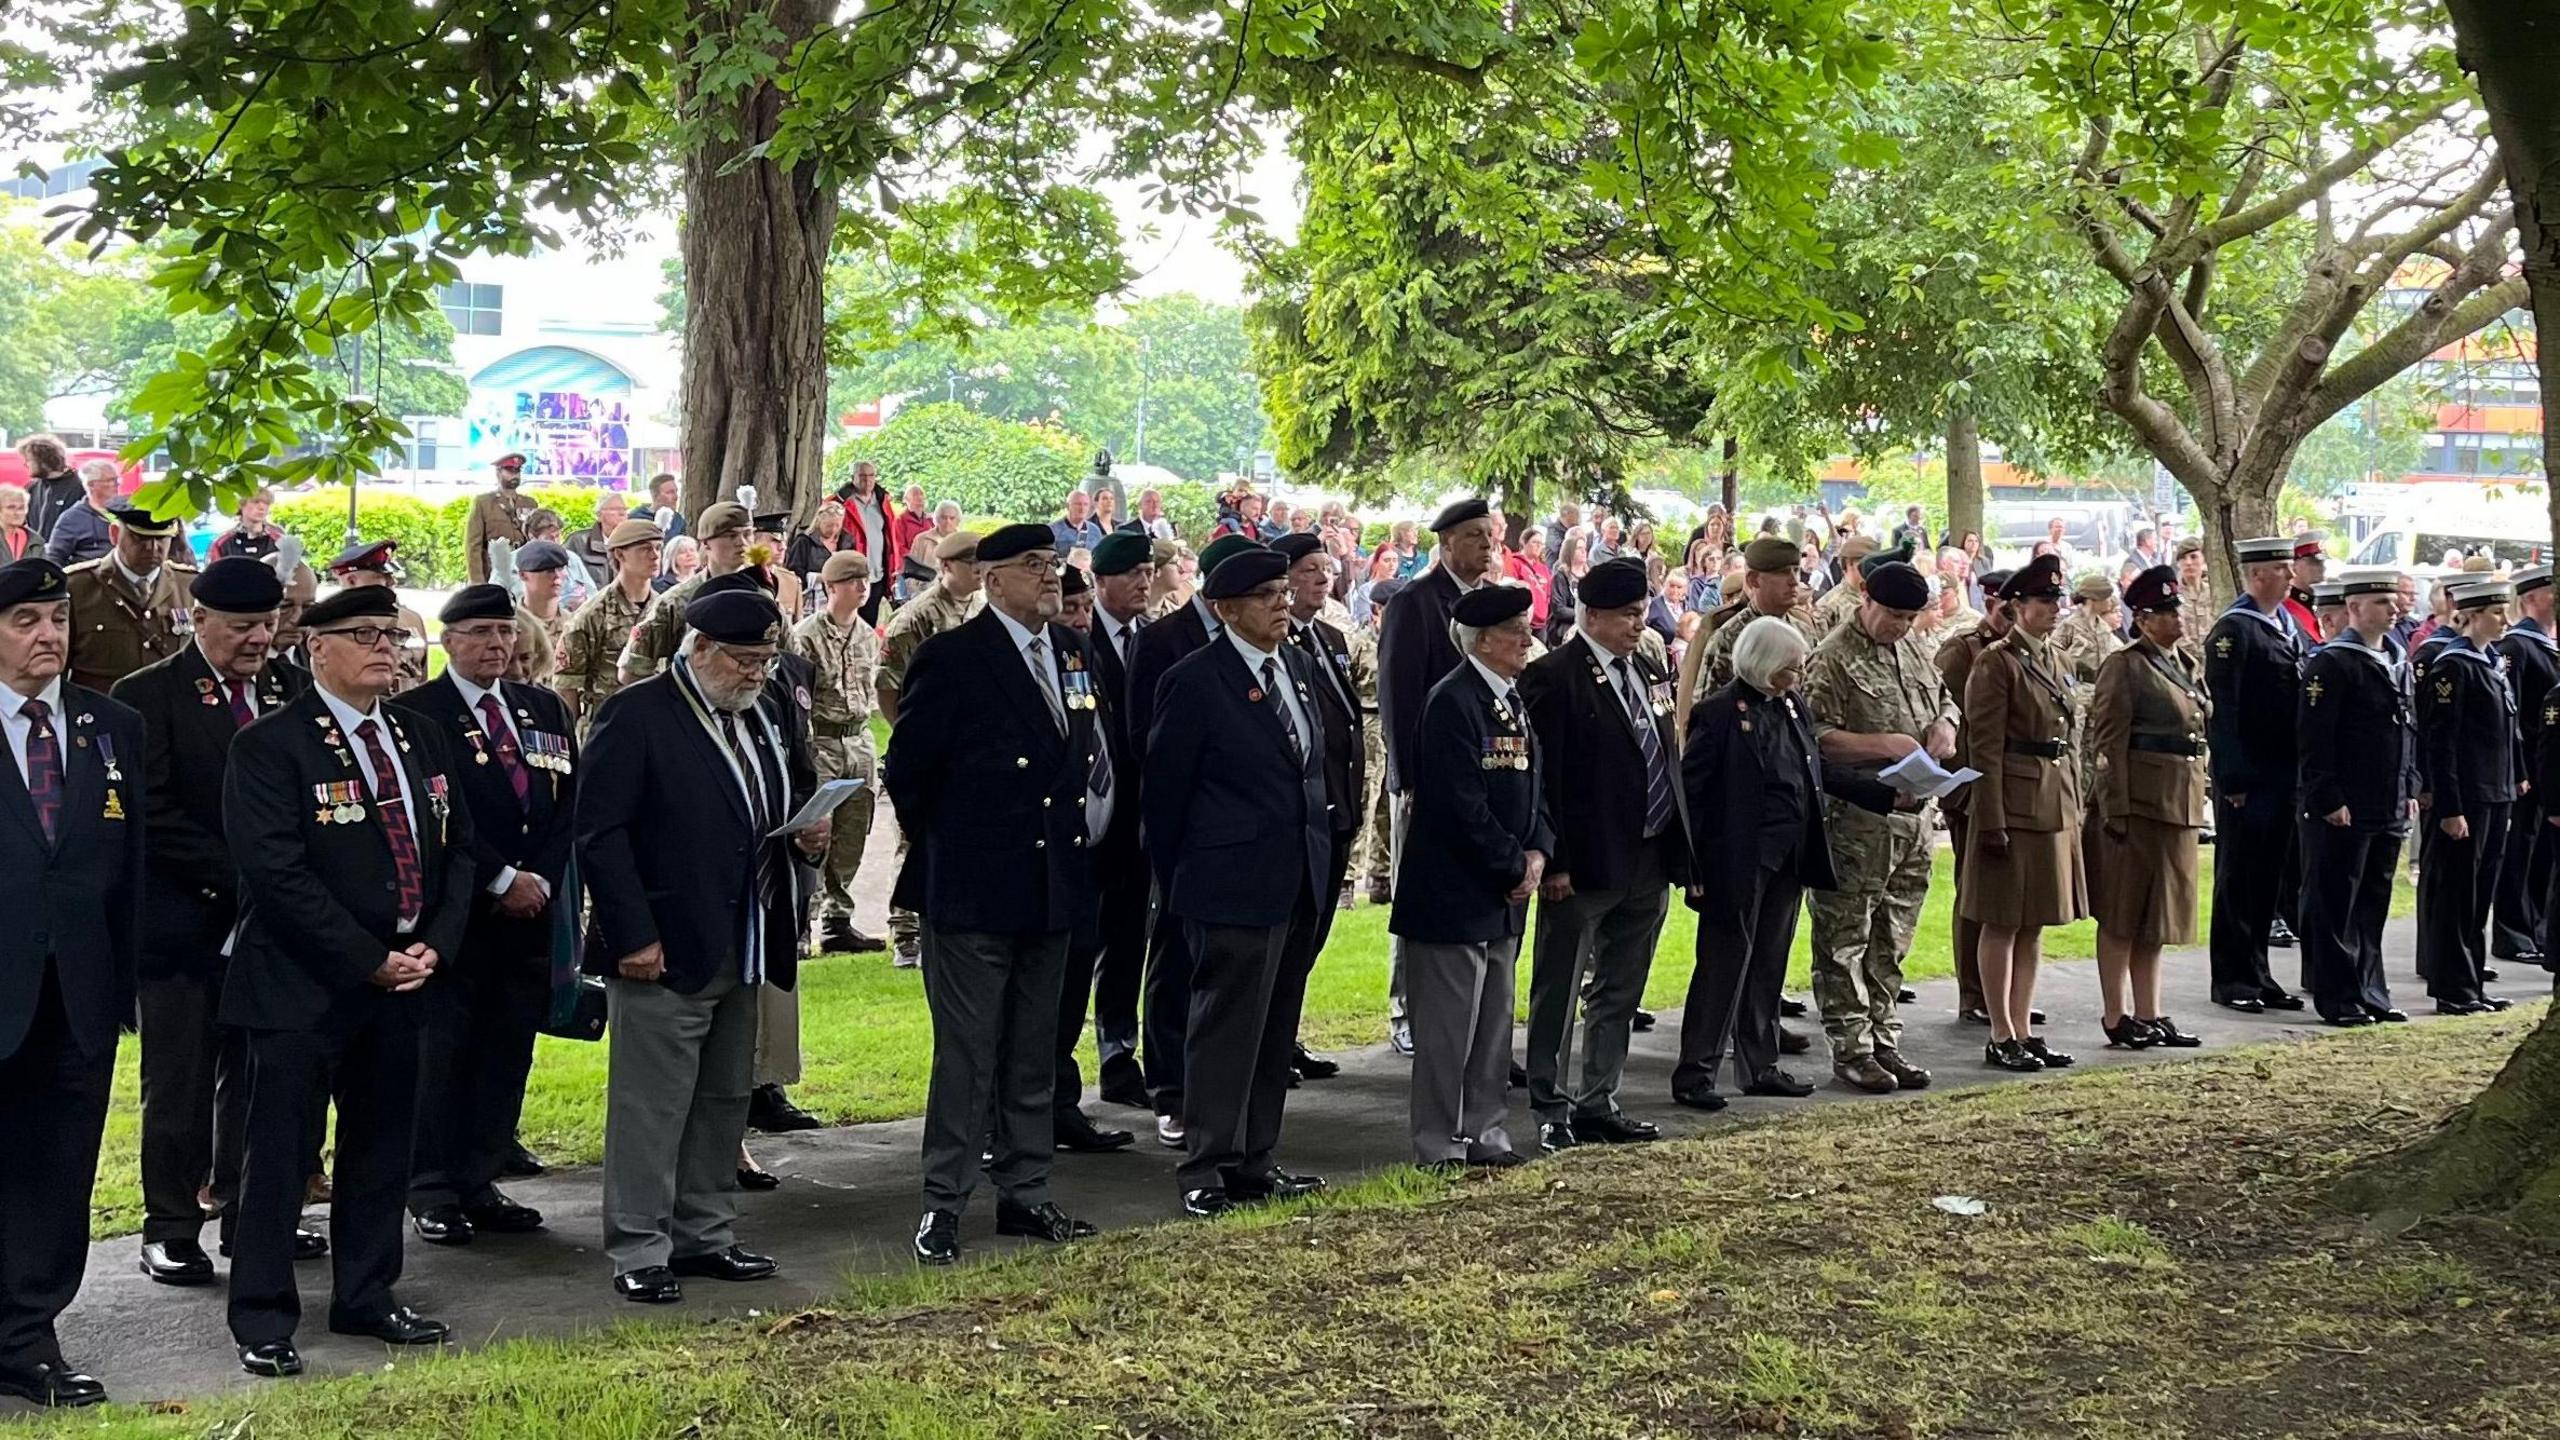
x,y
195,1074
500,514
1873,698
1844,597
515,759
765,548
2310,567
844,651
540,567
301,587
2359,788
1475,851
2147,731
356,872
73,852
697,910
2532,664
371,563
1165,642
1001,778
2252,671
723,530
2023,870
129,606
1373,867
1321,640
589,671
941,606
1237,795
2091,632
1602,714
1955,661
2195,596
2328,611
1770,586
2472,759
1414,653
1123,573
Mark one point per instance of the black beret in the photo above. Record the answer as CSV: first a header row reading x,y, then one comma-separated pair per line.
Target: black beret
x,y
359,602
1014,540
1992,580
1612,583
1122,552
2155,589
2038,579
34,579
1458,513
735,617
1244,572
1490,605
1897,586
1384,591
1899,555
1215,553
749,581
1297,546
540,556
1072,581
478,602
237,586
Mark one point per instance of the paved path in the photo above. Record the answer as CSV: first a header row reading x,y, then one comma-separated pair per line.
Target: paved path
x,y
851,1198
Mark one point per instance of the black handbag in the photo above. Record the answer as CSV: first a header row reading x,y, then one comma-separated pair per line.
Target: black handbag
x,y
577,1013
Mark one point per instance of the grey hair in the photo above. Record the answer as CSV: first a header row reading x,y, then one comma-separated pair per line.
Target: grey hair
x,y
1767,645
92,470
951,505
1465,637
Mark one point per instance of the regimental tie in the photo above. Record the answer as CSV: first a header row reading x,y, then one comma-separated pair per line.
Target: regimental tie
x,y
1047,682
764,798
502,738
44,766
242,712
1288,722
407,871
1657,774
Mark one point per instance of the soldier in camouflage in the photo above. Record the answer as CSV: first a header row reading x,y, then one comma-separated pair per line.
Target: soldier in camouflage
x,y
840,646
940,606
1370,869
723,530
2195,598
1769,587
1841,601
1874,698
589,669
2081,643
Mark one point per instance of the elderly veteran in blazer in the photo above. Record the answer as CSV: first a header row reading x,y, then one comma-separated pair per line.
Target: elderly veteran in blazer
x,y
355,860
2147,735
1474,854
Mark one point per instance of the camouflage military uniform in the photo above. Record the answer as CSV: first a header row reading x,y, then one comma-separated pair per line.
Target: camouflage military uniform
x,y
932,611
2082,643
840,740
654,639
1862,930
2196,605
1372,861
117,629
589,670
1707,665
1837,604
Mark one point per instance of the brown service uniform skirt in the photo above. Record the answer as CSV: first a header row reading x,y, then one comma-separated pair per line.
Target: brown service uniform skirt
x,y
2041,881
2142,888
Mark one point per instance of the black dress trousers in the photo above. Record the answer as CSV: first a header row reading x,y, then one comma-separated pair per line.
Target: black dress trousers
x,y
2346,895
2253,846
53,1111
2457,881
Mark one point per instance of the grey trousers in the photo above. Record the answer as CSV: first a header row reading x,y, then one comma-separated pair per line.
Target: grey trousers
x,y
1247,987
1608,935
777,1035
995,1038
675,1110
1399,825
1461,1017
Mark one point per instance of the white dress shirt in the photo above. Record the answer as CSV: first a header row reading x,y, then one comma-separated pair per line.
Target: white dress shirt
x,y
1253,659
471,694
1123,634
1501,688
15,723
1043,667
348,718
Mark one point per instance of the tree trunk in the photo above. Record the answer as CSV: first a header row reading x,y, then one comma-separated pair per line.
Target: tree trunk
x,y
2231,513
1731,482
2502,1151
755,252
1964,476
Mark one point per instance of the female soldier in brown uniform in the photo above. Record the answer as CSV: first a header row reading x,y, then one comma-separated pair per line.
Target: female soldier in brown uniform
x,y
2022,867
2146,730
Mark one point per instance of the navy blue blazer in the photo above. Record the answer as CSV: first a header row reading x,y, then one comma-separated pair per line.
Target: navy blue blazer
x,y
1237,824
75,904
1478,808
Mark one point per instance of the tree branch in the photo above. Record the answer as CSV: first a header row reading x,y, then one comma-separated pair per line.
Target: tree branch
x,y
2314,183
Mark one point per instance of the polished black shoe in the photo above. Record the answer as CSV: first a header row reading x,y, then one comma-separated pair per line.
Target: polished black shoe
x,y
735,1263
1974,1015
2035,1017
1906,996
1123,1083
2010,1055
1791,1043
1706,1099
522,1164
1641,1021
836,936
1555,1135
938,1238
1278,1185
2053,1059
1044,1221
308,1245
2349,1020
2281,1000
177,1262
753,1178
2389,1016
499,1215
271,1359
444,1225
2487,974
1313,1067
52,1384
1614,1129
1905,1074
771,1111
2165,1033
2497,1002
1790,1008
2246,1004
1498,1160
1206,1204
398,1326
2280,935
2128,1034
649,1285
1079,1134
2462,1007
1519,1075
1777,1083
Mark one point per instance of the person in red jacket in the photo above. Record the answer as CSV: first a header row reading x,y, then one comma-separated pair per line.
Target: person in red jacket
x,y
2309,568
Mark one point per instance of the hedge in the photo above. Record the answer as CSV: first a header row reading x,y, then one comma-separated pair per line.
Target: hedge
x,y
991,466
430,535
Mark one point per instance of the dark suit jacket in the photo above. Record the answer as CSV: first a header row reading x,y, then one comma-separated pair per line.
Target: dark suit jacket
x,y
1414,652
193,890
1163,643
1337,708
666,845
2359,739
1476,814
1595,775
75,902
1736,736
320,907
2468,736
989,792
2253,669
2532,667
1118,855
532,836
1236,824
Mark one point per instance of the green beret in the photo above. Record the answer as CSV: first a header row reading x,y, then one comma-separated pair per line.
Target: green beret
x,y
1122,552
1770,554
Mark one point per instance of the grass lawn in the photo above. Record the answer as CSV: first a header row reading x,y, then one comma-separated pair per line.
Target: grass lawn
x,y
867,1039
2157,1260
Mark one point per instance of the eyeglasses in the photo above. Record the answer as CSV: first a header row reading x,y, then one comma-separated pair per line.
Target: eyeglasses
x,y
1031,565
368,636
758,661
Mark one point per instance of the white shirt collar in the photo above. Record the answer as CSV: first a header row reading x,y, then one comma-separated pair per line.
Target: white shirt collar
x,y
1501,688
1253,656
348,716
141,583
471,693
1022,637
51,695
